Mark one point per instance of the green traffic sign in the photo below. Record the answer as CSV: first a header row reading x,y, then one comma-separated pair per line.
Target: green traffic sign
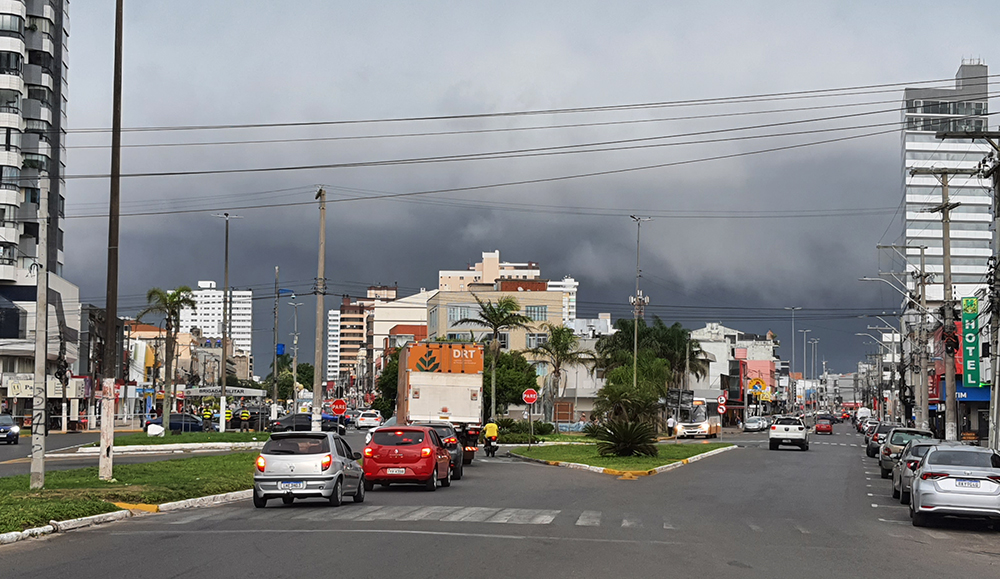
x,y
970,343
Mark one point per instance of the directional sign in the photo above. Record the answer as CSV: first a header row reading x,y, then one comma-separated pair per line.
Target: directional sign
x,y
530,396
722,408
339,406
757,385
722,399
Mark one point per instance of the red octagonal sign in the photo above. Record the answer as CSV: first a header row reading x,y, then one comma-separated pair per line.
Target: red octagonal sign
x,y
530,396
339,406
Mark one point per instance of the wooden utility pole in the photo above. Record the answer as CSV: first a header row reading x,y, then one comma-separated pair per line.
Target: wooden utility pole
x,y
320,292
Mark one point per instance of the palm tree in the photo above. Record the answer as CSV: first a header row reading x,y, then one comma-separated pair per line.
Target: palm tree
x,y
676,346
500,315
168,305
561,350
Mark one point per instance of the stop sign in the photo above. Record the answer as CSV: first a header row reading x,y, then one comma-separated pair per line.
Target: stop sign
x,y
339,406
530,396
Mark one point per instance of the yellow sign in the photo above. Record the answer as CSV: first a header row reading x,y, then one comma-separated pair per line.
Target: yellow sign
x,y
757,385
764,396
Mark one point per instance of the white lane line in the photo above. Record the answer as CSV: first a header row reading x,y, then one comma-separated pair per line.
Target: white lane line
x,y
854,445
667,525
895,522
870,494
802,530
541,517
189,519
631,522
387,514
471,515
842,444
589,519
428,514
503,516
754,527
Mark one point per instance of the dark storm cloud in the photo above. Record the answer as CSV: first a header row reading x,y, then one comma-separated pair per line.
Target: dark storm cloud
x,y
193,62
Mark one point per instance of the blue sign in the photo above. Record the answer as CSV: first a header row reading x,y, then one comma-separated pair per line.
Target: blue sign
x,y
281,349
964,394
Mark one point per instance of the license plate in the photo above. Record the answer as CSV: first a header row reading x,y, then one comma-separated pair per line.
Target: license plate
x,y
969,484
395,471
786,441
291,485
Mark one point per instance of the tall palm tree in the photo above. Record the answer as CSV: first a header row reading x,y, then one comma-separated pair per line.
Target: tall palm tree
x,y
168,304
500,315
676,346
562,349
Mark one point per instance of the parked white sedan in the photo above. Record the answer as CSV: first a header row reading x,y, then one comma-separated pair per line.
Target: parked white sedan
x,y
369,419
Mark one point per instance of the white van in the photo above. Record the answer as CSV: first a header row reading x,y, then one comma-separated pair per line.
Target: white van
x,y
863,413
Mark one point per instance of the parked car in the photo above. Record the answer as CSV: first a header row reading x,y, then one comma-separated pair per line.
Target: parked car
x,y
755,424
888,452
788,430
351,416
369,419
9,431
869,430
824,425
407,454
302,422
878,436
449,437
909,460
957,481
184,423
298,465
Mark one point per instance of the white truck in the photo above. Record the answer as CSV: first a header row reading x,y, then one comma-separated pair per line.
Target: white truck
x,y
443,381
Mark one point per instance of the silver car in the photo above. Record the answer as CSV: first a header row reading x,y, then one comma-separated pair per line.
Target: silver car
x,y
297,465
909,460
957,481
892,445
755,424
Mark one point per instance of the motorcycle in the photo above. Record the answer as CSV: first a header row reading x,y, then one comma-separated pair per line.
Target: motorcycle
x,y
490,446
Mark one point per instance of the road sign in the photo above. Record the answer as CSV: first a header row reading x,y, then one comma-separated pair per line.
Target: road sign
x,y
339,406
722,408
722,399
757,385
530,396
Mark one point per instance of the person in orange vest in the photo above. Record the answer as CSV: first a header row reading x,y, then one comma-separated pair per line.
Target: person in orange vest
x,y
244,419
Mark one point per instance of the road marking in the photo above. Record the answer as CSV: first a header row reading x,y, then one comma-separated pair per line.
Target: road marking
x,y
313,515
896,522
386,514
589,519
754,527
667,525
843,444
471,515
428,514
631,522
189,519
524,516
870,494
348,514
935,534
802,530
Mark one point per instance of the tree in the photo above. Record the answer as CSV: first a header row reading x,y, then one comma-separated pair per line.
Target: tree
x,y
514,374
619,399
169,305
500,315
388,380
560,350
674,344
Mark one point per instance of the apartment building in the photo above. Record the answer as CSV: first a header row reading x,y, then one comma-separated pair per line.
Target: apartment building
x,y
207,315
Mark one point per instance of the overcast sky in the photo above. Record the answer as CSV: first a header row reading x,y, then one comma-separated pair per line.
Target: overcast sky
x,y
211,62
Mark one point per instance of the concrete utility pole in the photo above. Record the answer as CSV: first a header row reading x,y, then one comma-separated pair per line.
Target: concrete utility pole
x,y
320,292
295,353
274,368
39,395
791,366
923,397
226,320
638,301
109,363
948,333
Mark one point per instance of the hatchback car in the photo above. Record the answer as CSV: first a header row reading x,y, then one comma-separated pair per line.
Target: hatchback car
x,y
184,423
893,444
755,424
909,460
877,436
9,432
407,454
369,419
824,426
957,481
449,437
302,422
789,430
297,465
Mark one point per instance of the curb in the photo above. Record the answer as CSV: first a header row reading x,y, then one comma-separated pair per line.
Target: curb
x,y
82,522
178,447
623,474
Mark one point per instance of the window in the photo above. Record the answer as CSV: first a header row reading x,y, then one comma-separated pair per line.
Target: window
x,y
41,94
537,313
11,139
340,448
536,340
397,437
41,58
36,161
456,313
41,25
504,340
11,25
10,178
10,63
10,101
297,445
8,254
456,336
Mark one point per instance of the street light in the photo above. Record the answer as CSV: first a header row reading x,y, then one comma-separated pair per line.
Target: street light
x,y
906,295
881,370
791,366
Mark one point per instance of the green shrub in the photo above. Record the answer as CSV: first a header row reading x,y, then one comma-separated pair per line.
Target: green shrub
x,y
622,437
592,429
514,438
505,424
544,428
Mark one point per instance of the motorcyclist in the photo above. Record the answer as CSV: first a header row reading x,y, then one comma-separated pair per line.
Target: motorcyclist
x,y
491,432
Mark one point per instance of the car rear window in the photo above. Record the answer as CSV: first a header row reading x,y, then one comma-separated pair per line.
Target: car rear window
x,y
369,415
398,437
788,421
964,458
884,428
823,421
297,445
919,450
901,438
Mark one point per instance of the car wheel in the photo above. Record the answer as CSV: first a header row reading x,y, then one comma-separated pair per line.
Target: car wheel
x,y
920,519
904,497
432,483
287,499
446,481
773,445
805,446
337,497
885,473
259,501
359,495
369,485
17,440
458,472
895,490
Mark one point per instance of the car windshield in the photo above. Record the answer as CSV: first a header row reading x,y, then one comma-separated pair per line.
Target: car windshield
x,y
297,445
6,420
787,421
900,438
398,437
964,458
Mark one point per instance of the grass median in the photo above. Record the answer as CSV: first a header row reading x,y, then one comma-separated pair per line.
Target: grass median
x,y
78,493
587,454
140,438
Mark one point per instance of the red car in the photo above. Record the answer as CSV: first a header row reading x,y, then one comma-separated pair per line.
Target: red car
x,y
824,426
410,454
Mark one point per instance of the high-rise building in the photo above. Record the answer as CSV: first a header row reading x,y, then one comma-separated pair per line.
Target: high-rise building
x,y
207,315
926,111
332,345
352,335
568,286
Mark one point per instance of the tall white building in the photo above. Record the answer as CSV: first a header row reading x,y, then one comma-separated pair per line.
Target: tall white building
x,y
928,110
207,315
332,344
568,286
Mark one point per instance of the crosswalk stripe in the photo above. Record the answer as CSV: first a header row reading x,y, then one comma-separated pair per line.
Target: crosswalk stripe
x,y
428,514
667,525
471,514
386,514
626,522
189,519
318,514
349,514
589,519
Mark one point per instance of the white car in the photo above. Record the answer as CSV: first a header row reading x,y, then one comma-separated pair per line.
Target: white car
x,y
369,419
790,431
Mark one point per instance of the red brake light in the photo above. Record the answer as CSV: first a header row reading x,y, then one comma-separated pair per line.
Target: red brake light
x,y
425,451
261,463
451,440
327,461
994,478
933,475
774,428
887,451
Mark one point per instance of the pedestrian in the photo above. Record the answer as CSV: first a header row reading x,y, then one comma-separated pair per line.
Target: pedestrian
x,y
671,424
244,419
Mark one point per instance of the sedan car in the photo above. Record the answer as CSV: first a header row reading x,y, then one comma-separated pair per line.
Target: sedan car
x,y
879,435
184,423
369,419
755,424
9,432
449,437
302,422
957,481
909,460
869,429
893,444
297,465
407,454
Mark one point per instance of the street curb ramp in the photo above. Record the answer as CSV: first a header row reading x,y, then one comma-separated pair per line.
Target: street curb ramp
x,y
83,522
624,474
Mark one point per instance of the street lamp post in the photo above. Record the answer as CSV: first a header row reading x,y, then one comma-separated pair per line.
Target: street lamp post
x,y
805,357
791,367
226,321
638,301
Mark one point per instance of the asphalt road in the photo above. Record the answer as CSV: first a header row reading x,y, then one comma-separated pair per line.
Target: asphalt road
x,y
749,512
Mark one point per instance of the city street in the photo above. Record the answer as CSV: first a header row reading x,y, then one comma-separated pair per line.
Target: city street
x,y
751,512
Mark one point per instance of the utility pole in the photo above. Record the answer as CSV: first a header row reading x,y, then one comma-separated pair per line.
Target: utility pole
x,y
274,368
638,301
923,418
39,395
320,292
109,362
295,353
226,319
791,367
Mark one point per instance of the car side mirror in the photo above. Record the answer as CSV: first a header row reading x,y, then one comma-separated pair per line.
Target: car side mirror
x,y
356,456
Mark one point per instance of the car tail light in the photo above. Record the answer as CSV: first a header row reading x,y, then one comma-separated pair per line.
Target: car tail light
x,y
802,428
368,451
425,451
994,478
933,475
261,463
912,464
451,440
327,461
774,428
887,451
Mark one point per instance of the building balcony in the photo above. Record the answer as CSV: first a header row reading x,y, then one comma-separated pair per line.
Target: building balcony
x,y
8,272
